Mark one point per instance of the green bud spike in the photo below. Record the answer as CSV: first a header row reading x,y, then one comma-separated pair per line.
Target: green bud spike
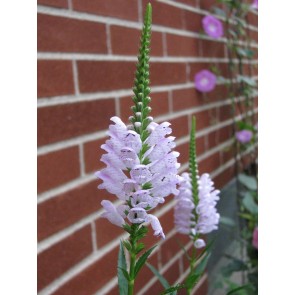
x,y
193,167
141,87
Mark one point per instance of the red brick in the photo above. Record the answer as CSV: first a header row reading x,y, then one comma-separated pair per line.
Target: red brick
x,y
225,133
220,92
228,153
68,35
186,99
184,153
159,105
65,209
169,249
114,8
188,2
93,277
145,273
208,4
200,145
54,78
105,76
172,273
195,68
106,232
167,221
167,73
182,46
179,126
165,14
225,113
57,168
61,122
192,21
56,260
213,49
253,19
92,155
206,118
54,3
123,45
209,164
225,177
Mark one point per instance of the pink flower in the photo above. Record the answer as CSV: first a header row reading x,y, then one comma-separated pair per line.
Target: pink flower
x,y
255,4
212,26
244,136
255,238
205,81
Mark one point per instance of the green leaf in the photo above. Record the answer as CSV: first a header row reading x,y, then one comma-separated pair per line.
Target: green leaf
x,y
198,271
235,290
162,280
122,270
142,259
248,181
247,80
219,11
249,203
227,221
234,266
173,289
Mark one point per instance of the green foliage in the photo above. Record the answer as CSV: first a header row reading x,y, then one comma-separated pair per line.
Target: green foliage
x,y
227,221
141,261
249,182
249,203
122,271
141,87
193,168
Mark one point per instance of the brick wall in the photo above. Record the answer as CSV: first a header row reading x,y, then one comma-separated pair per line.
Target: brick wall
x,y
86,62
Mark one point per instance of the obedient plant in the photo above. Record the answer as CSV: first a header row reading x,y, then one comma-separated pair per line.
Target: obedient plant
x,y
141,169
195,213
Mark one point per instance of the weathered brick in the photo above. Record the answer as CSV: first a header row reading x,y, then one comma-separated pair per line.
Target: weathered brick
x,y
54,78
167,73
92,155
61,34
65,209
54,3
183,149
165,14
223,178
192,21
57,259
207,4
179,126
159,105
93,277
182,46
105,76
186,99
169,249
121,44
57,168
106,232
62,122
213,49
114,8
209,164
188,2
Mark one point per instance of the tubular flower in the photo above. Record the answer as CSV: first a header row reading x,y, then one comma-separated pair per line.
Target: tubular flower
x,y
196,218
195,212
141,180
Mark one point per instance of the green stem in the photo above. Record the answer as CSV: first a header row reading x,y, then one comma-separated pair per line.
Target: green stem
x,y
192,267
131,274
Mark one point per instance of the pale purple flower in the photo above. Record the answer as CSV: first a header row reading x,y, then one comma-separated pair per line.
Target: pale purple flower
x,y
205,81
141,181
255,238
255,4
244,136
112,213
212,26
196,218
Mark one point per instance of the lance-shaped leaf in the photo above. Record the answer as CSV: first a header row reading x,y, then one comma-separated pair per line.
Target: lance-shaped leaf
x,y
122,271
142,259
249,182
